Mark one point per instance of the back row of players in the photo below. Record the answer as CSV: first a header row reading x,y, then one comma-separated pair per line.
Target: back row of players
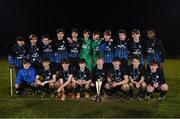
x,y
85,52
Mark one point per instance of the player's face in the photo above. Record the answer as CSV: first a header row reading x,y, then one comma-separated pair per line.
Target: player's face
x,y
65,66
151,34
26,66
122,36
33,40
100,62
82,65
46,41
60,35
153,68
136,36
135,62
74,34
86,35
95,36
116,64
107,37
46,64
20,43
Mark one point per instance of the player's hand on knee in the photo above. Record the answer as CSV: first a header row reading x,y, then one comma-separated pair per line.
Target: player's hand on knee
x,y
137,85
156,85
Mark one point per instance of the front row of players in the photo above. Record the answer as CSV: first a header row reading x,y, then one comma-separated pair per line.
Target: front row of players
x,y
74,83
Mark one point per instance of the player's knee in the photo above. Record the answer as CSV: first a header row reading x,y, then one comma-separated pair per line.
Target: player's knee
x,y
51,85
164,87
107,86
92,85
57,84
150,89
87,86
143,85
125,87
131,85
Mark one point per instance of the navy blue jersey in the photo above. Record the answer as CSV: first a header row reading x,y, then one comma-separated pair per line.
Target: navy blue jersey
x,y
62,74
98,74
121,49
107,49
117,75
48,52
18,54
82,75
155,77
34,53
74,49
46,74
61,51
155,50
136,74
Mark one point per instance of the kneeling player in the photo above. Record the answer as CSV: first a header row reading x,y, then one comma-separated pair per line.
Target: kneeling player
x,y
25,78
117,78
65,75
136,76
82,79
46,77
155,81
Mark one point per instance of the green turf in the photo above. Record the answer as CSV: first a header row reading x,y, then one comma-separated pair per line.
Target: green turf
x,y
49,107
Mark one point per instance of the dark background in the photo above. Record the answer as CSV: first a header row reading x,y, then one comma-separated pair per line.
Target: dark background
x,y
23,17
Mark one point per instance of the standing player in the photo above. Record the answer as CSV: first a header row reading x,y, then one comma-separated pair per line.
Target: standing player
x,y
74,48
121,47
34,52
48,48
117,77
82,79
137,46
17,53
46,77
136,72
25,78
155,48
65,76
85,52
155,81
95,47
107,49
61,45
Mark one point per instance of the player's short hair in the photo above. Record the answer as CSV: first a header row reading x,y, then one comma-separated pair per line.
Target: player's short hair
x,y
26,61
107,32
45,59
45,36
32,36
20,38
82,61
116,59
96,33
122,31
136,31
153,63
153,30
74,30
60,30
65,61
135,57
99,58
86,31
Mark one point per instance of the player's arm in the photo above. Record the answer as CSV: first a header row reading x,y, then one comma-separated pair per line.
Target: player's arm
x,y
126,80
33,76
18,79
68,81
132,81
53,79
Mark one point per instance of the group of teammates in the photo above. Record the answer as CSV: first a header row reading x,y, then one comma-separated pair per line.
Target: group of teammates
x,y
73,65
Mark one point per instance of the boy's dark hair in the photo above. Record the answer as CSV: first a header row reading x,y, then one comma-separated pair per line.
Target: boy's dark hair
x,y
135,57
122,31
100,58
116,59
153,30
136,31
65,61
107,32
82,61
60,30
86,31
20,38
153,62
45,59
45,36
32,36
96,33
26,61
74,30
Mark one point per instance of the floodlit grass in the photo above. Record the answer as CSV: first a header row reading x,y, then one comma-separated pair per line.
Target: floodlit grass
x,y
29,106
